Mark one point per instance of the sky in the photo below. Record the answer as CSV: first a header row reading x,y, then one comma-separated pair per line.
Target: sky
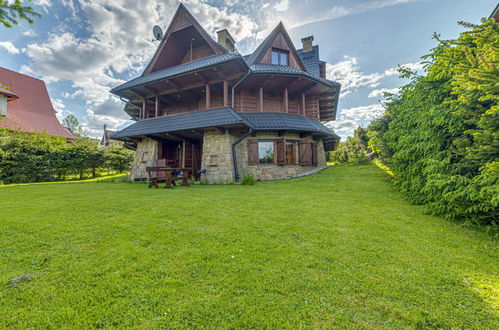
x,y
83,48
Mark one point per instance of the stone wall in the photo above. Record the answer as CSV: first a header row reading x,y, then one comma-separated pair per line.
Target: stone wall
x,y
272,171
146,155
217,158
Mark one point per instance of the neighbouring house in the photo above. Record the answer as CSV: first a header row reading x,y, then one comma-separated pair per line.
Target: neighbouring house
x,y
25,105
495,13
106,141
202,105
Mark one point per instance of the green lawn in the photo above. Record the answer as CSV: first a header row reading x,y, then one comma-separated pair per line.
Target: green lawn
x,y
336,249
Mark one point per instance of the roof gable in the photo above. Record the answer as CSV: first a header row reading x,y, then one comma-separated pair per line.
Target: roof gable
x,y
185,40
278,38
32,109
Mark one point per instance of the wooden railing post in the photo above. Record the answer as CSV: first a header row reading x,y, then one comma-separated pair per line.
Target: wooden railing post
x,y
286,108
226,93
260,98
208,96
156,106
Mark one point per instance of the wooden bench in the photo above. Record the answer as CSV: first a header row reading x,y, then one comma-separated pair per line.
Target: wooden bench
x,y
168,175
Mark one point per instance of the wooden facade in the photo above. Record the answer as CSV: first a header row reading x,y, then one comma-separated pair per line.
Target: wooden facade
x,y
191,72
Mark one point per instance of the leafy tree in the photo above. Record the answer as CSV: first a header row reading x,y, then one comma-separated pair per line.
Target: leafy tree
x,y
71,122
118,158
12,11
86,154
440,133
353,149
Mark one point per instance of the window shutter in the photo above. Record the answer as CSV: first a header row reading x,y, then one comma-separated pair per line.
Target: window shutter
x,y
314,154
281,153
305,153
252,152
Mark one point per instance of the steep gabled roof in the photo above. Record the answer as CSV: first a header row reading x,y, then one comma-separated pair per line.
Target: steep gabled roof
x,y
267,43
32,110
178,70
183,19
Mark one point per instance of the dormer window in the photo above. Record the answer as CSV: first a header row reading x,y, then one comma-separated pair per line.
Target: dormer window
x,y
280,56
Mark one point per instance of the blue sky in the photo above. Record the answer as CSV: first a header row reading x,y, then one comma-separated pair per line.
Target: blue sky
x,y
82,48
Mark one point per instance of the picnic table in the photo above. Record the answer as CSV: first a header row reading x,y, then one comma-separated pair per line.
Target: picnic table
x,y
168,175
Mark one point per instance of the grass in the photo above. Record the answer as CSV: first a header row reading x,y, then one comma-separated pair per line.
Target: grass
x,y
336,249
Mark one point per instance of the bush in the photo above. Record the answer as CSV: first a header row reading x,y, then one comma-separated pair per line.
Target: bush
x,y
440,134
37,157
248,179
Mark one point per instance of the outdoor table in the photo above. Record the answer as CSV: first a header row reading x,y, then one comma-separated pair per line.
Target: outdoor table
x,y
168,177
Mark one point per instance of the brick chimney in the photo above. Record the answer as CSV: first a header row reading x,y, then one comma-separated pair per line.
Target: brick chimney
x,y
307,43
226,40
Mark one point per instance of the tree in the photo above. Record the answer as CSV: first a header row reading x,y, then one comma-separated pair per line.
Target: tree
x,y
71,122
11,11
440,134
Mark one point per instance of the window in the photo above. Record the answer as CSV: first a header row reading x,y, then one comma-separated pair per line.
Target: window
x,y
265,152
279,57
291,148
3,106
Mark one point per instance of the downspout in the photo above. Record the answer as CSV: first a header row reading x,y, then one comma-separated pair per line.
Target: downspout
x,y
234,152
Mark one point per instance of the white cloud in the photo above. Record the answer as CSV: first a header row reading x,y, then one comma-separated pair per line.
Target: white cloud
x,y
29,33
348,74
349,119
416,66
9,47
381,92
282,5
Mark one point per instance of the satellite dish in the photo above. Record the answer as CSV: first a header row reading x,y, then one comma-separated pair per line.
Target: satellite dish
x,y
157,32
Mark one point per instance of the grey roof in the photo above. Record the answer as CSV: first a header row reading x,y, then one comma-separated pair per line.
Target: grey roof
x,y
183,121
287,70
276,121
181,69
311,60
261,121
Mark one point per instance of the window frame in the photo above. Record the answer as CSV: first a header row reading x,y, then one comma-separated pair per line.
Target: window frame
x,y
274,151
279,52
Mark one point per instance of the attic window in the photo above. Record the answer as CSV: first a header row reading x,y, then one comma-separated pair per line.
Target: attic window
x,y
279,57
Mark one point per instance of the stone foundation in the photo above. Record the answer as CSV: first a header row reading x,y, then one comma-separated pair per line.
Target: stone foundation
x,y
218,162
217,159
146,155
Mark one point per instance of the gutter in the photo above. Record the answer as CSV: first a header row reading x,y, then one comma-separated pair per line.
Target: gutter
x,y
234,153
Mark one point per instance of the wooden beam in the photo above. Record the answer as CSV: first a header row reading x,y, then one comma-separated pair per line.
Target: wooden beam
x,y
177,86
304,89
208,96
194,85
260,99
303,104
156,106
144,107
285,100
226,93
217,72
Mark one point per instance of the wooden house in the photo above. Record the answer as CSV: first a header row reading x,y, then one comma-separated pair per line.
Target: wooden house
x,y
25,105
202,105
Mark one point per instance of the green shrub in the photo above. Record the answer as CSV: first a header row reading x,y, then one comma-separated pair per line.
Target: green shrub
x,y
440,135
248,179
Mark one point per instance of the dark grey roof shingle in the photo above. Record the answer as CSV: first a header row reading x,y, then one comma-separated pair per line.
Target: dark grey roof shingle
x,y
261,121
275,121
179,70
311,60
183,121
287,70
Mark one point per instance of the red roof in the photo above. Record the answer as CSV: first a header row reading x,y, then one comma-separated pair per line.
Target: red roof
x,y
32,110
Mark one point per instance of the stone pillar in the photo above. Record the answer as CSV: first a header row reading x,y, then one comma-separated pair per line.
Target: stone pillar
x,y
217,157
146,155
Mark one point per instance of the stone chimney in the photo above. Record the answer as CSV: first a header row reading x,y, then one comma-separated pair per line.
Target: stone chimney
x,y
226,40
307,43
